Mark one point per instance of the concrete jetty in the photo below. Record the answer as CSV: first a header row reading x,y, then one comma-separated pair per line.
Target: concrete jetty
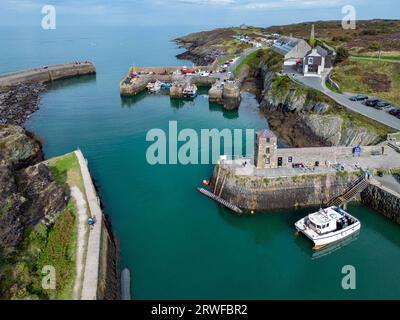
x,y
223,91
101,275
47,73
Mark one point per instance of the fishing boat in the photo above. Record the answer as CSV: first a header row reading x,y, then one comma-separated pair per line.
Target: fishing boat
x,y
190,91
154,86
328,226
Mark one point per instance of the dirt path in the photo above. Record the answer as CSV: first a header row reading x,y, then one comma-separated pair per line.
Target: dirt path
x,y
81,240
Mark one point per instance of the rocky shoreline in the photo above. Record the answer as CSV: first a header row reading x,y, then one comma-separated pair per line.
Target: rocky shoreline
x,y
19,102
28,192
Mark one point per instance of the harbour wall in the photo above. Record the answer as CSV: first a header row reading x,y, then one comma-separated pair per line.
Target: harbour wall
x,y
259,193
383,200
47,74
101,272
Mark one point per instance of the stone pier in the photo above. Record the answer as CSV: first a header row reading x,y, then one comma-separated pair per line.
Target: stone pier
x,y
47,73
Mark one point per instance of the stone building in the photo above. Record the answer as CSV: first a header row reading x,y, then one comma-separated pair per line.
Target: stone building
x,y
316,61
293,50
265,153
268,156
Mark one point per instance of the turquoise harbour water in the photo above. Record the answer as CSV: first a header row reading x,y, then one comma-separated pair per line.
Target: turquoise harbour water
x,y
177,243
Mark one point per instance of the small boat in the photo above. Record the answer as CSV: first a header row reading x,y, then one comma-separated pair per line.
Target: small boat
x,y
328,226
166,85
154,86
190,91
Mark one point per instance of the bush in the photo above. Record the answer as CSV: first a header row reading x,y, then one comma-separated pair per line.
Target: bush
x,y
342,54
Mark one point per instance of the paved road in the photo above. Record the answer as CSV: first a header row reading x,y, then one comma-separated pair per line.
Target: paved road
x,y
234,65
375,59
343,99
389,182
91,273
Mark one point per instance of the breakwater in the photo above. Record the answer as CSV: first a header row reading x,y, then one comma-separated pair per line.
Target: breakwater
x,y
223,90
47,73
20,91
101,271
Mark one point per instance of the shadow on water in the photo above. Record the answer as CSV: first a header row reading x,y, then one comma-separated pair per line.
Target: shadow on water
x,y
263,224
131,100
62,83
378,223
228,114
180,103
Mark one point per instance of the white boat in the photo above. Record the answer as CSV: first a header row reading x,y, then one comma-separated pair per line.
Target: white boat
x,y
154,86
328,226
190,91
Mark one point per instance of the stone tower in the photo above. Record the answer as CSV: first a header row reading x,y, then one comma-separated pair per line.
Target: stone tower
x,y
265,153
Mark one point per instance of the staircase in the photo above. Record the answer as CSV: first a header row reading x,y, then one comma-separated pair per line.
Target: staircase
x,y
356,187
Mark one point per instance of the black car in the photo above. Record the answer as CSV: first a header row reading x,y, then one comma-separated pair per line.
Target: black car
x,y
359,98
382,105
371,102
395,112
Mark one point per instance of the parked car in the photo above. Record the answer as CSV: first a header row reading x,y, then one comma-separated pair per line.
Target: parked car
x,y
371,102
382,105
395,112
359,98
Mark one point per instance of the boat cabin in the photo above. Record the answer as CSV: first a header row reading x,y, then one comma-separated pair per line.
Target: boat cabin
x,y
325,220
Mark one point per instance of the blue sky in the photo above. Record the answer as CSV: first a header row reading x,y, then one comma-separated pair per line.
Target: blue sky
x,y
191,12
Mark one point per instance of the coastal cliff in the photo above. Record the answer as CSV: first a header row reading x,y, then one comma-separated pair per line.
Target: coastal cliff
x,y
302,116
30,198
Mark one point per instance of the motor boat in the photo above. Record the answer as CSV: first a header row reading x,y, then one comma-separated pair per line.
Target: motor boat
x,y
328,226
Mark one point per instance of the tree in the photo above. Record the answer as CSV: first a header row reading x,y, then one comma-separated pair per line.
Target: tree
x,y
342,54
312,42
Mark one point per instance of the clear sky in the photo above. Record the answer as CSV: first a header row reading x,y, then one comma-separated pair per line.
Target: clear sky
x,y
191,12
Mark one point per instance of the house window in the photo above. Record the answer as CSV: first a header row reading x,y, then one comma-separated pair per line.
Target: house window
x,y
268,140
310,60
290,159
268,151
267,161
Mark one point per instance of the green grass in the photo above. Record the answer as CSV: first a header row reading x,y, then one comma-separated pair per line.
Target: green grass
x,y
332,88
248,60
376,56
273,61
350,77
43,246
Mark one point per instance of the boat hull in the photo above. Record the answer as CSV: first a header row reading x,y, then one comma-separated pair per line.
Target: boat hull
x,y
326,239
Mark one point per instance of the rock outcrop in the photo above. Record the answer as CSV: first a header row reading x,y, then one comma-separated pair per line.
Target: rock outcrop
x,y
17,103
315,117
28,192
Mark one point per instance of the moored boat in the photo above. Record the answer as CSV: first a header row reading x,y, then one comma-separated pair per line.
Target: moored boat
x,y
190,91
154,86
328,226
